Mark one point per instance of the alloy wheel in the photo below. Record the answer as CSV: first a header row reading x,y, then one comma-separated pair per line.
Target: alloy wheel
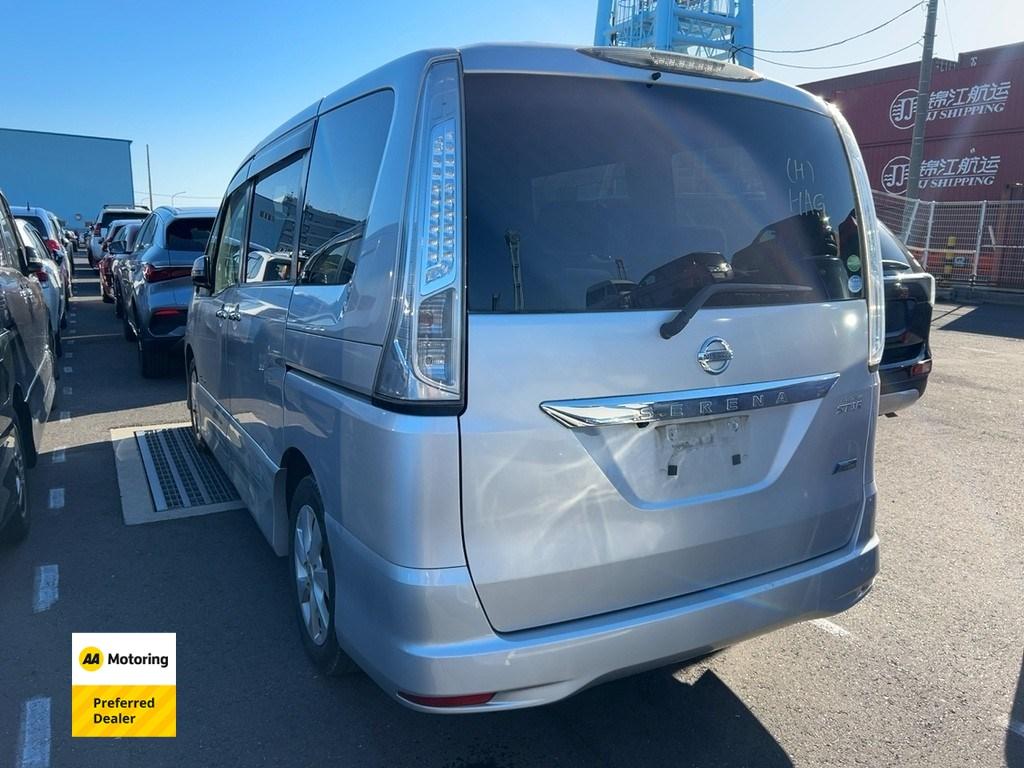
x,y
311,579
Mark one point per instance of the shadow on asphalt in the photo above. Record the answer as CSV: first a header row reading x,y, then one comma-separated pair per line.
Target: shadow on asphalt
x,y
1014,736
984,319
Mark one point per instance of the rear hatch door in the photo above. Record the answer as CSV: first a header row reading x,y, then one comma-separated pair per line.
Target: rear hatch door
x,y
605,466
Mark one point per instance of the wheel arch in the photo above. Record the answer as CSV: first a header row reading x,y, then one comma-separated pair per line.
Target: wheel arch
x,y
294,466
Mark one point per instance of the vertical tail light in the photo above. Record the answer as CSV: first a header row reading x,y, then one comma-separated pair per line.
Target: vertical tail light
x,y
874,282
52,244
423,359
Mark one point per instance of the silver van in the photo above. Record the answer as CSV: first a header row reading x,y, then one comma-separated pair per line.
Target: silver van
x,y
546,365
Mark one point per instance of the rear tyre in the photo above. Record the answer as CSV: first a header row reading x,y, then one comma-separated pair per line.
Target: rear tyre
x,y
193,409
149,363
17,526
313,579
129,334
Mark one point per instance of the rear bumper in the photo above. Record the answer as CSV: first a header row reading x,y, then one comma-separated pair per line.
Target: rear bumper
x,y
899,389
424,631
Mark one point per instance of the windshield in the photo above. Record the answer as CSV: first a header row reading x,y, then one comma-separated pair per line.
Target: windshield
x,y
587,195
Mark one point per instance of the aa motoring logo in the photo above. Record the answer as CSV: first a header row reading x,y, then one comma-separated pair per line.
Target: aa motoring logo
x,y
92,658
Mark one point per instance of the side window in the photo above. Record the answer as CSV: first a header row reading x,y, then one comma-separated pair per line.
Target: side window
x,y
229,247
8,242
274,217
347,154
145,238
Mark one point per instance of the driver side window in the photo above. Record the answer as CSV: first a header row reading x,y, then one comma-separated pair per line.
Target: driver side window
x,y
229,248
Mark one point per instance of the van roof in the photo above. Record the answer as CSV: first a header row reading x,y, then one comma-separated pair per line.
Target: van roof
x,y
535,58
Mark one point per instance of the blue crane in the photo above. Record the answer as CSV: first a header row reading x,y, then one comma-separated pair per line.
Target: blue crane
x,y
714,29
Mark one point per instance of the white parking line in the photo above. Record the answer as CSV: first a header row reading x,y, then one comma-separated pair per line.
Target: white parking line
x,y
66,390
832,629
58,456
56,498
65,415
69,354
34,737
45,597
69,341
1016,726
68,369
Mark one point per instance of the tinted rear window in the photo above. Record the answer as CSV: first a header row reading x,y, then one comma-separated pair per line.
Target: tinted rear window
x,y
188,234
110,216
586,194
36,222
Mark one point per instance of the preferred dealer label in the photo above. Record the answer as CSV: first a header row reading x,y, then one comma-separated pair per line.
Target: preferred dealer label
x,y
123,684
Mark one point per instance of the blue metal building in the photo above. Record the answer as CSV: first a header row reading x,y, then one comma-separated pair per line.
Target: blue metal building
x,y
713,29
73,176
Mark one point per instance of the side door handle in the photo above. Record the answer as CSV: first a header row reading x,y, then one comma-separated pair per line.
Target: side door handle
x,y
221,313
235,314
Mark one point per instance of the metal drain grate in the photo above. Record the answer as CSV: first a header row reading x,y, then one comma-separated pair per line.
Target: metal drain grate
x,y
180,477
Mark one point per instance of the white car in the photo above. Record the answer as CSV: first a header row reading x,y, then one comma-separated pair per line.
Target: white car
x,y
49,277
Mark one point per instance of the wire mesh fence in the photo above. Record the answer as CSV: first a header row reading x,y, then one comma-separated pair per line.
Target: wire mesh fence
x,y
974,243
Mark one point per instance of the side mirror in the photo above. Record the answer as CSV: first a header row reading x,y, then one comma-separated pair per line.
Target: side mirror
x,y
116,247
199,278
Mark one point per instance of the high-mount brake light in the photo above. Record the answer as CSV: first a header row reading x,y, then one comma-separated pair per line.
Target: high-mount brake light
x,y
422,362
874,279
667,61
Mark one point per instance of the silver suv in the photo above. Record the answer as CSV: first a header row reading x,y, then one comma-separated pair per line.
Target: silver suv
x,y
547,365
154,285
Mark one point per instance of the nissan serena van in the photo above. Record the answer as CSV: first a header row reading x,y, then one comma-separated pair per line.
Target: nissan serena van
x,y
546,365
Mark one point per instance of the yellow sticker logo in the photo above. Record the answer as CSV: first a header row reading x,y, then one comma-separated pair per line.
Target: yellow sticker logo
x,y
90,659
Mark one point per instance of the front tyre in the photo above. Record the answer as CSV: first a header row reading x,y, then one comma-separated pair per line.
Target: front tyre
x,y
313,578
17,526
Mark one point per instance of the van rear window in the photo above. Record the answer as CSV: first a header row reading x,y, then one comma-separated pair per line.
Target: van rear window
x,y
590,195
109,216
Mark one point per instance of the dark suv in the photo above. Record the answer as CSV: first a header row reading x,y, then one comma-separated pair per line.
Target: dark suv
x,y
26,374
909,299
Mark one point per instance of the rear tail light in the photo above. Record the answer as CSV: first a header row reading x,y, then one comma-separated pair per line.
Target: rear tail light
x,y
41,276
153,274
168,312
52,244
874,280
919,369
423,359
467,700
96,230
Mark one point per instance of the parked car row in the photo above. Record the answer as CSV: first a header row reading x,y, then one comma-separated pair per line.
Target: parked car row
x,y
145,271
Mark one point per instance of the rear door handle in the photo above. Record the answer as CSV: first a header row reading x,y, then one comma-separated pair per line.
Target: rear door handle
x,y
235,314
221,313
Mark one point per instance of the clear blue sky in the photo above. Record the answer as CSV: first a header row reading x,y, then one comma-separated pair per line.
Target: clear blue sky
x,y
202,82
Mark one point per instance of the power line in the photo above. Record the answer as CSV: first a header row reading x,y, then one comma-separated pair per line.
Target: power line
x,y
838,66
838,42
949,28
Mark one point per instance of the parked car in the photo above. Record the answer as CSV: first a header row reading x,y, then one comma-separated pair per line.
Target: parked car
x,y
23,314
909,301
47,274
155,284
45,224
492,496
102,224
117,250
15,515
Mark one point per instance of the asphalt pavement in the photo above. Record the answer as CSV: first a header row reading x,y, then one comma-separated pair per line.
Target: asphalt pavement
x,y
926,671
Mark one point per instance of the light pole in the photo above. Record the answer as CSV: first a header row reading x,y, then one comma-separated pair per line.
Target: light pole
x,y
176,194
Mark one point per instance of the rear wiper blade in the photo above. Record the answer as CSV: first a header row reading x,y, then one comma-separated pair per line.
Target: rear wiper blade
x,y
677,323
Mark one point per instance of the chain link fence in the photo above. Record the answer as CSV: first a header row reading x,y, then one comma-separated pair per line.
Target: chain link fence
x,y
980,244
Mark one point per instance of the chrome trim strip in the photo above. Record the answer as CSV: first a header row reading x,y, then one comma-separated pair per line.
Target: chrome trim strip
x,y
688,403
